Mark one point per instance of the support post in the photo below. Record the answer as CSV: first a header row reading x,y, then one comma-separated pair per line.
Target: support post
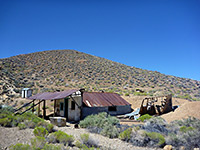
x,y
44,109
33,107
39,109
54,110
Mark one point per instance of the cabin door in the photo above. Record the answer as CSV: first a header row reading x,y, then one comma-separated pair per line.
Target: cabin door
x,y
66,108
62,109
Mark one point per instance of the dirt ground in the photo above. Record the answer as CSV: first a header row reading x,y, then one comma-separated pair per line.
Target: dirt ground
x,y
9,136
186,108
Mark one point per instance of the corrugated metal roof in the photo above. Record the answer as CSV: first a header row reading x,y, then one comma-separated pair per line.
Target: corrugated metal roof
x,y
100,99
53,95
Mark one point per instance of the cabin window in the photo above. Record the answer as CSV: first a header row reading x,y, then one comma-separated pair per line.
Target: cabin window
x,y
61,106
72,105
112,108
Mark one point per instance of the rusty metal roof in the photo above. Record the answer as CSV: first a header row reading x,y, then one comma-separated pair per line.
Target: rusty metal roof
x,y
101,99
53,95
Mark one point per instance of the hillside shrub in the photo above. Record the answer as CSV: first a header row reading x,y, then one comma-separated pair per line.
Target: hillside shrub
x,y
87,140
20,146
21,126
157,137
186,129
46,125
156,124
101,123
38,142
52,147
40,131
144,117
126,134
60,137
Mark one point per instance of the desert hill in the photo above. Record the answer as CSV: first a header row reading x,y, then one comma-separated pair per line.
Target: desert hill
x,y
61,69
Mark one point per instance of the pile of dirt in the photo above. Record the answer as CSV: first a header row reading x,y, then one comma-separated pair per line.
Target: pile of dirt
x,y
185,110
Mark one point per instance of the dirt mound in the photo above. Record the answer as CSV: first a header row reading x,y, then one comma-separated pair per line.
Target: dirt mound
x,y
184,111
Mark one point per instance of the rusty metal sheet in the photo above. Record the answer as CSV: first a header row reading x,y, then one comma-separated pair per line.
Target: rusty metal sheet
x,y
101,99
53,95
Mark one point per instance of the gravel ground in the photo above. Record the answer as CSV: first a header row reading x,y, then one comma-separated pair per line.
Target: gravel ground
x,y
9,136
102,141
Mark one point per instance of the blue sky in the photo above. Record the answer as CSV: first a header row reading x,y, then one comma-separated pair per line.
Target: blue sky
x,y
158,35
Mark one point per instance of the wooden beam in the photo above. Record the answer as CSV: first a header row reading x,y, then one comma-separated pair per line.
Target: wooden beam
x,y
44,109
54,109
33,107
38,109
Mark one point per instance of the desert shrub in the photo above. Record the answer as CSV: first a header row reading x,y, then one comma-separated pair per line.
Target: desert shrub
x,y
185,132
60,137
144,117
83,146
154,136
186,129
21,126
46,125
52,147
87,140
40,131
20,146
138,138
5,122
6,109
156,124
102,123
127,94
30,124
110,131
126,134
38,142
84,137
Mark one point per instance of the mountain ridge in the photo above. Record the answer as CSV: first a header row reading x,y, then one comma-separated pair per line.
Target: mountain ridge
x,y
54,70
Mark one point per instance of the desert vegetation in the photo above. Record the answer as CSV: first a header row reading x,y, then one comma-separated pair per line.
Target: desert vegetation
x,y
60,69
45,136
155,132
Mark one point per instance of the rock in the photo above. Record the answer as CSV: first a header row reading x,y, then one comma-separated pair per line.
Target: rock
x,y
182,148
168,147
58,121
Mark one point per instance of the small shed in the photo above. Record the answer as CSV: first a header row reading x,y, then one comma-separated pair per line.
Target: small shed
x,y
26,92
66,103
112,103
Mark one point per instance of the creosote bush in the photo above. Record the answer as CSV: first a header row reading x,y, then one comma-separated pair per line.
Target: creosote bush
x,y
38,142
87,141
60,137
154,136
144,117
101,123
20,146
40,131
126,134
26,120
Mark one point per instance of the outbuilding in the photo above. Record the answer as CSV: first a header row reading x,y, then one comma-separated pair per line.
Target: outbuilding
x,y
76,104
66,103
26,92
112,103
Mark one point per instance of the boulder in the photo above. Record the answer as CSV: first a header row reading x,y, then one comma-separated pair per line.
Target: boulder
x,y
168,147
58,121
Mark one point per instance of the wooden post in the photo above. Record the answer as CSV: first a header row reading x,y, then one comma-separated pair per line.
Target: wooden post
x,y
44,109
54,111
39,109
33,107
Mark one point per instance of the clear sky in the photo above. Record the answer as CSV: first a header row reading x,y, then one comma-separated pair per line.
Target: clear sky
x,y
158,35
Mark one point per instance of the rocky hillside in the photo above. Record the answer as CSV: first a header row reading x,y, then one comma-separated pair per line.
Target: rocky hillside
x,y
61,69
